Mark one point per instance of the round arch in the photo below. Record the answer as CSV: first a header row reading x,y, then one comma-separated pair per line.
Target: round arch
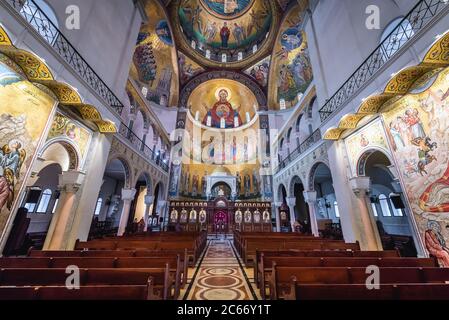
x,y
281,193
312,172
147,178
291,186
126,168
363,158
72,150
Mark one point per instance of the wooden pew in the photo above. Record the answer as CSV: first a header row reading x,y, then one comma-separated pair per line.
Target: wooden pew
x,y
264,276
102,263
401,291
103,292
160,278
282,277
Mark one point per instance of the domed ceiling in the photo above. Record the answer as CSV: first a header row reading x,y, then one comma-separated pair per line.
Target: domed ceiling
x,y
230,33
186,43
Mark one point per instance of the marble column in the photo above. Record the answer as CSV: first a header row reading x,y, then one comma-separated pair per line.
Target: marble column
x,y
291,202
277,207
128,196
69,184
148,203
310,199
361,187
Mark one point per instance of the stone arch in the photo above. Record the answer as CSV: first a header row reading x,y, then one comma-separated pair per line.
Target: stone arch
x,y
312,171
72,150
127,168
296,179
363,158
148,180
280,192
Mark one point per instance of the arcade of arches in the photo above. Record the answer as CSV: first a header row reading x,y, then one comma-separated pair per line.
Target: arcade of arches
x,y
212,126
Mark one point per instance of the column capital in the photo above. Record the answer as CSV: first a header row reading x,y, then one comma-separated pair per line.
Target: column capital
x,y
360,185
309,196
291,201
128,194
71,181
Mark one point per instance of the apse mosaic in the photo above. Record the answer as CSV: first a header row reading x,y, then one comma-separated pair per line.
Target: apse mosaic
x,y
291,65
222,104
417,128
67,129
202,21
260,72
369,137
154,64
24,114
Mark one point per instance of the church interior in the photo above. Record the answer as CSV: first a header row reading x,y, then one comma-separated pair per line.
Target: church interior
x,y
224,150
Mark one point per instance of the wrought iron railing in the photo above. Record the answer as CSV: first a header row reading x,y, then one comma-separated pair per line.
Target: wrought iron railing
x,y
37,19
140,146
415,21
303,147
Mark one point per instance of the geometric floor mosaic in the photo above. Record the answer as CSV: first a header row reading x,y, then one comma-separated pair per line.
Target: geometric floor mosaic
x,y
220,275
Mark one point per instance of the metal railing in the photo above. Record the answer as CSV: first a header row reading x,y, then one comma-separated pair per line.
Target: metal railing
x,y
140,145
37,19
303,147
415,21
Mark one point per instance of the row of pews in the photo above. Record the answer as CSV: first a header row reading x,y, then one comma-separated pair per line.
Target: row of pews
x,y
292,269
150,267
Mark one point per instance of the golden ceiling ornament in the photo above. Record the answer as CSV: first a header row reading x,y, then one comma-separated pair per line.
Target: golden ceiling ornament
x,y
4,38
439,52
404,79
372,104
36,71
350,121
435,60
88,112
106,126
65,93
33,67
333,134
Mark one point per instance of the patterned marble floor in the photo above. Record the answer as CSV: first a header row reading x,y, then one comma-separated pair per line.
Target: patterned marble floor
x,y
220,275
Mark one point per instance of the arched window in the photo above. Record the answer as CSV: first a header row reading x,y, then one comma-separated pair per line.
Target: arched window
x,y
373,206
396,34
396,212
46,24
337,211
44,201
383,200
98,206
55,206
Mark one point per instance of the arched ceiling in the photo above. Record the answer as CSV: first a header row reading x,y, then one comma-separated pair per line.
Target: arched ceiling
x,y
185,40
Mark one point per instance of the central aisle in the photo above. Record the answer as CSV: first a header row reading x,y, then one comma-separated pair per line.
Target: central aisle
x,y
220,275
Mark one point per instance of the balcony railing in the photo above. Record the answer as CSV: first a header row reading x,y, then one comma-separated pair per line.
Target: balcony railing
x,y
303,147
37,19
140,145
415,21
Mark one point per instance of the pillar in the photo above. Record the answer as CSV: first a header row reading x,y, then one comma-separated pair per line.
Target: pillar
x,y
291,202
127,197
370,239
310,198
277,207
148,203
69,184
